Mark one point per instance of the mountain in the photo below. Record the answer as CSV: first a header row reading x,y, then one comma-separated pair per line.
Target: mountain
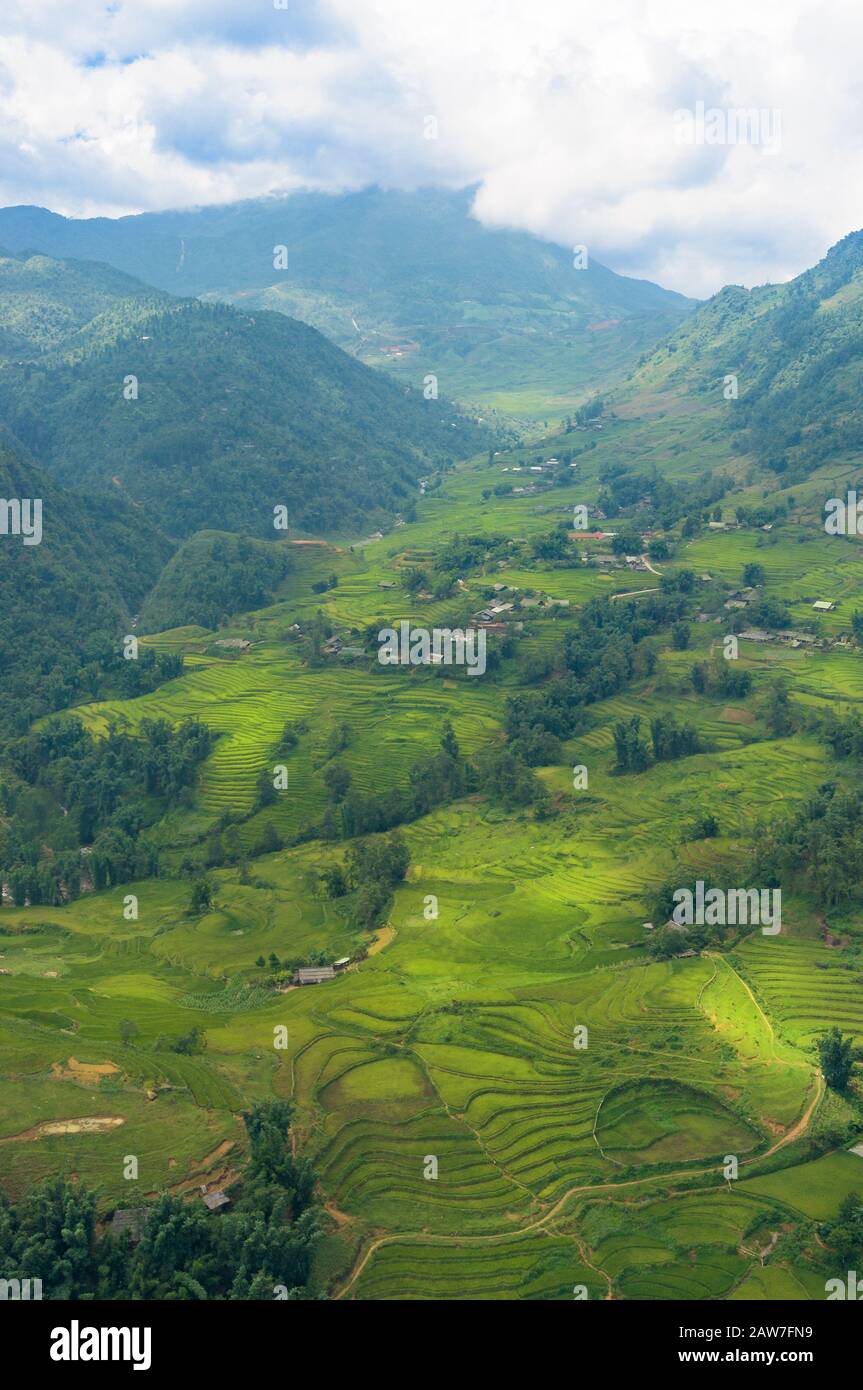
x,y
794,352
211,576
410,281
68,595
206,417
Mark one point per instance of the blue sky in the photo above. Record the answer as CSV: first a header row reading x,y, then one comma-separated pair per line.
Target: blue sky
x,y
565,115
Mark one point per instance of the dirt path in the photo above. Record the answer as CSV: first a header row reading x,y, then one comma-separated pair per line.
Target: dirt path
x,y
542,1222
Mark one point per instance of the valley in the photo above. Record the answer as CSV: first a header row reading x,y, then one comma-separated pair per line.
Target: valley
x,y
557,1168
519,1083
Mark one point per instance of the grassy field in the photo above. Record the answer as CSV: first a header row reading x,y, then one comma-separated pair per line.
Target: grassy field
x,y
558,1169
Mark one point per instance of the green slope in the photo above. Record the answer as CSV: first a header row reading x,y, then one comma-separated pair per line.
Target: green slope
x,y
235,413
795,350
409,281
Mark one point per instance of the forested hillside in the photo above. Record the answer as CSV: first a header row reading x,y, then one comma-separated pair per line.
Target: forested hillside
x,y
64,601
409,281
206,417
212,575
794,351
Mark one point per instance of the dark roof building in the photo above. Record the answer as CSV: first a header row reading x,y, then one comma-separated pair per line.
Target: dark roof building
x,y
131,1219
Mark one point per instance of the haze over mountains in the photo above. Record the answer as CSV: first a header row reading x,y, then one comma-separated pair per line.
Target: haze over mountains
x,y
239,410
409,281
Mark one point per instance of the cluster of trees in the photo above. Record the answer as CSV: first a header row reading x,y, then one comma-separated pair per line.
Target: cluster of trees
x,y
372,869
721,678
819,847
669,740
660,503
211,576
261,1249
837,1055
436,780
844,735
608,648
844,1234
70,790
65,603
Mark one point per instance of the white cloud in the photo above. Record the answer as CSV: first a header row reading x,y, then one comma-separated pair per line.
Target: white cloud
x,y
561,111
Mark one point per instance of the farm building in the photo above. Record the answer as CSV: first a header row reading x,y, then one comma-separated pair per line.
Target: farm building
x,y
314,974
131,1220
342,963
215,1201
234,644
823,605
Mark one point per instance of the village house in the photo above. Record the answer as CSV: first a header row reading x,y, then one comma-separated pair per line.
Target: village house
x,y
314,974
215,1201
129,1220
235,644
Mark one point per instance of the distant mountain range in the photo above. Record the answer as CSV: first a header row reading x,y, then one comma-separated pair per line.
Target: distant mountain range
x,y
204,416
408,281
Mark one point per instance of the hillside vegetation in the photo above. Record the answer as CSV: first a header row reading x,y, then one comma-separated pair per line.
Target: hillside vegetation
x,y
408,281
207,418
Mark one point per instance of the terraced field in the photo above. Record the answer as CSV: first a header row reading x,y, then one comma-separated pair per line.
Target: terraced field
x,y
559,1170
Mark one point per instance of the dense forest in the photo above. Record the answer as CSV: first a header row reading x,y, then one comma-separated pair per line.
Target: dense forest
x,y
66,602
259,1249
211,576
205,417
64,790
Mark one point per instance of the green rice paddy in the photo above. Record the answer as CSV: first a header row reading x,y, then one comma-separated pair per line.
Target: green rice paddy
x,y
560,1171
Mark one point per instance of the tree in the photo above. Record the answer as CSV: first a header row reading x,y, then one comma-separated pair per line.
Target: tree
x,y
337,778
627,543
128,1030
837,1059
448,740
753,575
778,714
680,637
632,751
202,897
266,792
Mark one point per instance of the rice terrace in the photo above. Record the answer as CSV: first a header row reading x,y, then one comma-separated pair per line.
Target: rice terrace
x,y
431,730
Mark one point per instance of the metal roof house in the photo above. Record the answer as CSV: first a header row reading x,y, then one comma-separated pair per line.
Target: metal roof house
x,y
131,1219
314,974
214,1201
